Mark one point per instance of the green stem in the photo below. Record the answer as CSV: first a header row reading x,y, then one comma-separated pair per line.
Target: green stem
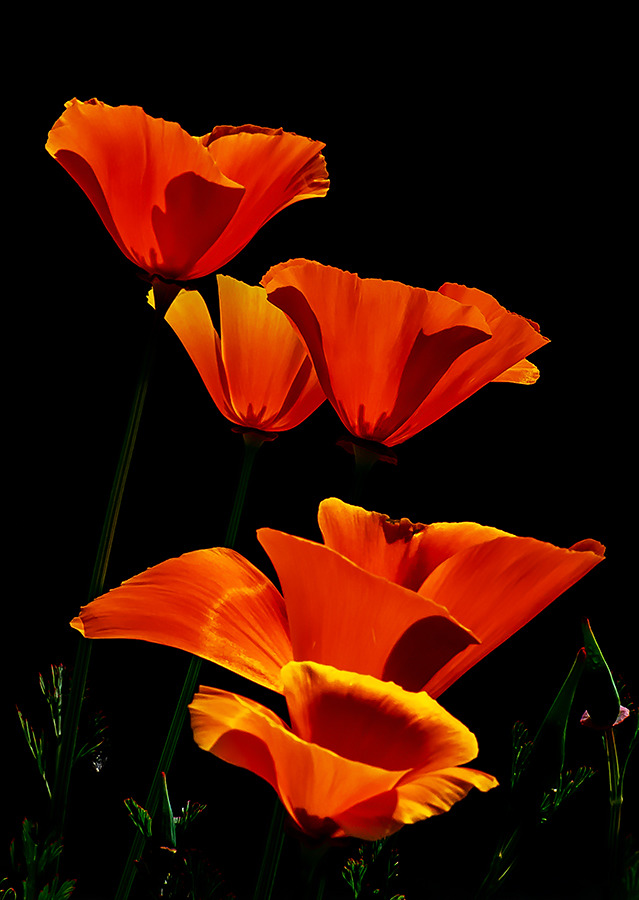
x,y
314,859
616,800
67,748
365,459
271,855
252,443
321,884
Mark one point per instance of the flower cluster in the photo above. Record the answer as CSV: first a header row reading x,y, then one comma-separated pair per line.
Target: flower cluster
x,y
382,613
370,627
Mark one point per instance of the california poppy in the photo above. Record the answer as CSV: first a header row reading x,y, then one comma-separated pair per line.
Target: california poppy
x,y
362,757
178,206
418,605
256,370
391,358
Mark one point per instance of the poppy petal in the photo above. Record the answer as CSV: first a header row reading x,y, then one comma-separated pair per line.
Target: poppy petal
x,y
258,373
190,319
328,794
498,586
395,549
262,358
343,616
424,795
513,338
159,193
312,782
349,324
276,168
392,549
371,721
490,581
523,372
212,603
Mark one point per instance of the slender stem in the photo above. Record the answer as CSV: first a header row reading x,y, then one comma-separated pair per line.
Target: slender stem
x,y
67,748
271,855
365,459
321,884
251,446
315,864
616,800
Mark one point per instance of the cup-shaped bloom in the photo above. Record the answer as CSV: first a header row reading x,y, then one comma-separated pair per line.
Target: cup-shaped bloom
x,y
180,206
256,370
391,358
361,759
417,605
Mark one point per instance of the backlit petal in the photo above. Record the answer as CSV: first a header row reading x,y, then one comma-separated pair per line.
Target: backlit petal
x,y
419,797
371,721
160,194
396,549
491,581
498,586
378,347
523,372
513,338
258,373
276,168
312,782
212,603
271,380
189,317
343,616
332,795
437,791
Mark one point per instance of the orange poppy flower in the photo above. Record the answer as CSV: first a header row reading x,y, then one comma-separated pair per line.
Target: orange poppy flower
x,y
418,605
256,370
178,206
392,359
361,759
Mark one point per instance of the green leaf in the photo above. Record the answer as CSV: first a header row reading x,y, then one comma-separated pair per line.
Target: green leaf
x,y
521,747
603,697
353,874
167,820
190,813
569,782
6,893
549,745
54,694
55,891
96,741
140,817
36,746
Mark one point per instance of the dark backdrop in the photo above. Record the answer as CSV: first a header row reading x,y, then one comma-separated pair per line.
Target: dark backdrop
x,y
478,158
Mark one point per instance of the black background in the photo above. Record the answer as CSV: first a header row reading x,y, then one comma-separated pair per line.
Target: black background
x,y
492,156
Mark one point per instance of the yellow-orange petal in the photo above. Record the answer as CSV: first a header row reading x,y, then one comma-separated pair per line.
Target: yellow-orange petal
x,y
523,372
212,603
328,794
341,615
419,797
312,782
271,379
379,347
159,193
190,319
371,721
276,168
258,372
499,585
